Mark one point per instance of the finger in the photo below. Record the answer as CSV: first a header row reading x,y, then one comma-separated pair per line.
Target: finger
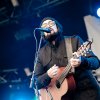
x,y
55,66
55,71
75,59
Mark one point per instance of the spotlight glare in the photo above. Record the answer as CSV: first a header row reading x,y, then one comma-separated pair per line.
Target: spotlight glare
x,y
98,12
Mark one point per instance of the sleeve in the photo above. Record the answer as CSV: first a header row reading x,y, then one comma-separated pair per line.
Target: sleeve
x,y
41,78
91,61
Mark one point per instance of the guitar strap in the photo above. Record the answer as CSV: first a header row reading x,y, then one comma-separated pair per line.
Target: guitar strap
x,y
69,50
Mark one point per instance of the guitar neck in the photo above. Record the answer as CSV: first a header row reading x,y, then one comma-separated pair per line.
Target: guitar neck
x,y
66,70
64,74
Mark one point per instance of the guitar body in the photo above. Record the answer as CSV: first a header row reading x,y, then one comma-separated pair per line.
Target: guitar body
x,y
54,93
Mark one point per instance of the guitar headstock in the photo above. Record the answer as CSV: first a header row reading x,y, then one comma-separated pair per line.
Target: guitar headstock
x,y
84,49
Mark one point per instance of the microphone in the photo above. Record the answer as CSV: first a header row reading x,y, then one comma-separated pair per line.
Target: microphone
x,y
44,30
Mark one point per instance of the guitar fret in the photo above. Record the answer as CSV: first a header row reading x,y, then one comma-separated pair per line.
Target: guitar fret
x,y
65,73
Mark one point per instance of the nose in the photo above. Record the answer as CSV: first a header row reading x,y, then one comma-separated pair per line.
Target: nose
x,y
48,26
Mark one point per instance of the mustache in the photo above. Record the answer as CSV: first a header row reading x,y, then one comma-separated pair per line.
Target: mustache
x,y
52,37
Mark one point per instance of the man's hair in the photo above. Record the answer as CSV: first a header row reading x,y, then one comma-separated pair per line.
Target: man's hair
x,y
59,26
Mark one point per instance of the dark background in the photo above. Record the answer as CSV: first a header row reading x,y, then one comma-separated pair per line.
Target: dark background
x,y
17,43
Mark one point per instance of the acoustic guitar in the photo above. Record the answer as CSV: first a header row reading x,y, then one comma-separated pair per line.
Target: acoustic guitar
x,y
63,81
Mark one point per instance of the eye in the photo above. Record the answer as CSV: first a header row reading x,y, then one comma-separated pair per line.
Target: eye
x,y
44,25
51,23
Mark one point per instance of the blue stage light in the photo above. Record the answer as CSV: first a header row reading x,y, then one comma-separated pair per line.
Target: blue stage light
x,y
98,12
35,98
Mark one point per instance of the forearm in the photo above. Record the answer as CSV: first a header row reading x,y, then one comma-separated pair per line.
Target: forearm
x,y
90,63
42,81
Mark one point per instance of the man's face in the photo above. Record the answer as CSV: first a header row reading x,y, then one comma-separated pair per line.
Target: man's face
x,y
51,25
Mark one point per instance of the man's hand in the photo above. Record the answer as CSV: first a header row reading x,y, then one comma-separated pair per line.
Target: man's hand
x,y
75,62
52,72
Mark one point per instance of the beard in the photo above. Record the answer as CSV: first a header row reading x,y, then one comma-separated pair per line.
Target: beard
x,y
52,37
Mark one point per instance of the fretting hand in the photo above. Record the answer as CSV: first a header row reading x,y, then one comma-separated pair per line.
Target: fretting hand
x,y
75,62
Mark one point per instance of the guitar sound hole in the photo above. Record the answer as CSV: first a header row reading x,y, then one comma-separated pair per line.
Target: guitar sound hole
x,y
58,84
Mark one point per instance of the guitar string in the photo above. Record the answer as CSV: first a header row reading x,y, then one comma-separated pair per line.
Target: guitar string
x,y
64,74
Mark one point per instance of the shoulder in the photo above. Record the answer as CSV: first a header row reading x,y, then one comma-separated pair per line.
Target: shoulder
x,y
75,40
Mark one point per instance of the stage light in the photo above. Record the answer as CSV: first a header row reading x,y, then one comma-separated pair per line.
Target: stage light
x,y
15,3
98,12
35,98
20,95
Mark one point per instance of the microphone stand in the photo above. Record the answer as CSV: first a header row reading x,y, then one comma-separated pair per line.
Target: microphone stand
x,y
33,79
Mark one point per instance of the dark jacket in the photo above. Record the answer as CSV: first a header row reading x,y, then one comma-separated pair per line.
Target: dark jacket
x,y
50,55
